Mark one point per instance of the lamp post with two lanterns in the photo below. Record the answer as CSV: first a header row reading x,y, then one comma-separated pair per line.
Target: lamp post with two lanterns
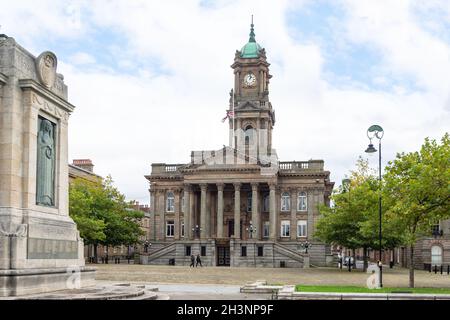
x,y
376,131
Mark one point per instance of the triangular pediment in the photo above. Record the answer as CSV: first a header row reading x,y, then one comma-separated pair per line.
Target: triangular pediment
x,y
248,105
229,158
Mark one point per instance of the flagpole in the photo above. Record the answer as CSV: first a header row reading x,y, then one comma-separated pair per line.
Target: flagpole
x,y
232,107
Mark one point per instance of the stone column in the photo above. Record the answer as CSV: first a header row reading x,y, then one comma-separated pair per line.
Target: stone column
x,y
153,212
187,211
203,187
208,214
162,210
294,204
311,204
272,213
176,222
256,215
220,187
192,210
237,210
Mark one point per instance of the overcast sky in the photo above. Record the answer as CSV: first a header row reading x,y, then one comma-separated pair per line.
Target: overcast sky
x,y
151,79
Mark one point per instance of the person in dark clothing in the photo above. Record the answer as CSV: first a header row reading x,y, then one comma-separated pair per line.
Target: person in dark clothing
x,y
192,261
199,261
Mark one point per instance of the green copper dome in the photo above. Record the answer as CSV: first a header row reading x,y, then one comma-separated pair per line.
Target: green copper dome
x,y
251,49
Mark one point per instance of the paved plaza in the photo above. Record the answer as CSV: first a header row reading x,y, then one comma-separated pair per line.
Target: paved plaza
x,y
156,274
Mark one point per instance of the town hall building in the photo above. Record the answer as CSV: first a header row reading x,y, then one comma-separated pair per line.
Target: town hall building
x,y
240,205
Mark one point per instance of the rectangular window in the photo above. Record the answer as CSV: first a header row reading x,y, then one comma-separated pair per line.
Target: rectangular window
x,y
260,251
266,203
203,251
182,204
285,202
249,202
188,250
302,203
170,228
302,228
266,229
243,251
182,229
285,228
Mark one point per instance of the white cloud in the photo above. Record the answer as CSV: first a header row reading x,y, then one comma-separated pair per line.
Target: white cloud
x,y
126,121
82,58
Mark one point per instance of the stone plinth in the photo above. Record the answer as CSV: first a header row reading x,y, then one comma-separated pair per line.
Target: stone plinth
x,y
40,245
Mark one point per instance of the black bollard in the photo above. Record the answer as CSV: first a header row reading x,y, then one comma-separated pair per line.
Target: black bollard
x,y
435,269
442,268
448,269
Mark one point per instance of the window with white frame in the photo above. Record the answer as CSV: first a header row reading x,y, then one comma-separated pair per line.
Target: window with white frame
x,y
182,204
182,229
266,229
302,228
436,255
170,228
285,201
170,205
302,203
266,203
285,228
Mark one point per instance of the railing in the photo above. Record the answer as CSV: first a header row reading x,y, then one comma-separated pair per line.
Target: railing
x,y
301,165
437,268
158,168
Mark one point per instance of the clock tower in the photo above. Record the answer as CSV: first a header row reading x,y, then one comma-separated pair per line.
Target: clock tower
x,y
253,120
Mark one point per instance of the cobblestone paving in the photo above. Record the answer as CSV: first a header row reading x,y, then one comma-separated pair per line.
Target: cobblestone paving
x,y
240,276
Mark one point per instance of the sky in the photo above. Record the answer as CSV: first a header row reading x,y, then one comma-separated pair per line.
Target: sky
x,y
151,79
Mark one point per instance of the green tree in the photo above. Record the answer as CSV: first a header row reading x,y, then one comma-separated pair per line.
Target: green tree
x,y
353,220
102,214
417,189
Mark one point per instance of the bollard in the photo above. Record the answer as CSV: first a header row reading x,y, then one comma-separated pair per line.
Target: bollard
x,y
442,267
448,269
435,269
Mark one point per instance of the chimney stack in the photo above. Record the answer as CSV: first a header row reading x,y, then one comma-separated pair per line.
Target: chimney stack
x,y
85,164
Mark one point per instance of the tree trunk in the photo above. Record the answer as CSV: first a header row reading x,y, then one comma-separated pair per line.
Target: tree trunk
x,y
354,258
411,266
366,263
95,252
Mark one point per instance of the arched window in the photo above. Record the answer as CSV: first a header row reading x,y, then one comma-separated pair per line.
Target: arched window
x,y
302,203
170,205
249,135
436,255
285,201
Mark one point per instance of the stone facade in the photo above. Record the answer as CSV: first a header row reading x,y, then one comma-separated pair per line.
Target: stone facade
x,y
239,205
39,244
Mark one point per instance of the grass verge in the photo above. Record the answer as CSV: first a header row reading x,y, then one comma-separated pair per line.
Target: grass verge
x,y
354,289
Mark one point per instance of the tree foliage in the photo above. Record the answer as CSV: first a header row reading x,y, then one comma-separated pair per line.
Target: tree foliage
x,y
102,214
417,188
353,220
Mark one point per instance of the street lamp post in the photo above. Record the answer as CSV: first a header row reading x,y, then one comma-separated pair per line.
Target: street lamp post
x,y
306,245
250,230
375,131
196,231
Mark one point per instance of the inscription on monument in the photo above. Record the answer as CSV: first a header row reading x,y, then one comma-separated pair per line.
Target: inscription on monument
x,y
52,249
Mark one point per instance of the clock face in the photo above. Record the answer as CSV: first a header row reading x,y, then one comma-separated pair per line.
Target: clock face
x,y
250,80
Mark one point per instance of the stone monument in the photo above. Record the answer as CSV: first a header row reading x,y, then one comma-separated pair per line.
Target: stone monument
x,y
40,247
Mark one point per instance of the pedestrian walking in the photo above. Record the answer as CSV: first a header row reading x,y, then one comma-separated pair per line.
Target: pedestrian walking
x,y
192,261
199,261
